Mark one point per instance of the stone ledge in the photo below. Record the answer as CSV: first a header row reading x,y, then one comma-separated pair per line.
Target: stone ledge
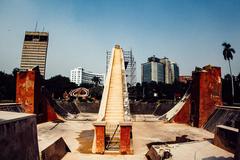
x,y
7,117
101,123
125,124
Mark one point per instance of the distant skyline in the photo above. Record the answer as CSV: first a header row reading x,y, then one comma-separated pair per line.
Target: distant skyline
x,y
188,32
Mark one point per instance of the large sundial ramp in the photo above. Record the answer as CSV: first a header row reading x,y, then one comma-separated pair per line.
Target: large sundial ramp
x,y
114,107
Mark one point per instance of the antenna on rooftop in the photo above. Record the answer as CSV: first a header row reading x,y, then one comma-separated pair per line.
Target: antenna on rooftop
x,y
43,29
36,26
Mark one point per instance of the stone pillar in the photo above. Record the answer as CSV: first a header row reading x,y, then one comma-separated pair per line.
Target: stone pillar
x,y
125,137
100,136
206,94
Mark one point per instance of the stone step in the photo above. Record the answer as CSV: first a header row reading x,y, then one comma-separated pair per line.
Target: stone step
x,y
114,139
115,113
113,117
114,110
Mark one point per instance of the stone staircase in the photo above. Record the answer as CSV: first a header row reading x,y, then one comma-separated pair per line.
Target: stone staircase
x,y
114,112
114,108
112,137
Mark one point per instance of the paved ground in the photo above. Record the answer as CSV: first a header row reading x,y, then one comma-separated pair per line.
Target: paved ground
x,y
200,150
79,134
148,132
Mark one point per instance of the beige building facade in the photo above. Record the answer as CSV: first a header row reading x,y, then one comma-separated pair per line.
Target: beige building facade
x,y
34,52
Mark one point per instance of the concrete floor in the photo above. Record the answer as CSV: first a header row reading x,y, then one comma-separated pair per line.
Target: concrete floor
x,y
78,136
196,150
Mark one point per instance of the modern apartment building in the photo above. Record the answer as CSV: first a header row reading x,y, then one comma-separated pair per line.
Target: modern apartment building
x,y
79,75
34,51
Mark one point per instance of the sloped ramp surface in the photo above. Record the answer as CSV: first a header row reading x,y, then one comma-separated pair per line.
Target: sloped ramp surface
x,y
174,111
114,107
60,110
225,115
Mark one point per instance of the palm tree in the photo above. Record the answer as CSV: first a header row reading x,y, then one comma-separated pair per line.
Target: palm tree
x,y
228,55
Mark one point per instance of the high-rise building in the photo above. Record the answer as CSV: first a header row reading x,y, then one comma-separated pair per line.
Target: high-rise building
x,y
79,75
167,70
130,66
175,71
159,70
153,70
34,52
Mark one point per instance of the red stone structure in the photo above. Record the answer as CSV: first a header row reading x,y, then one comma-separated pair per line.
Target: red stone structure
x,y
28,94
125,137
185,79
28,90
206,95
100,137
184,114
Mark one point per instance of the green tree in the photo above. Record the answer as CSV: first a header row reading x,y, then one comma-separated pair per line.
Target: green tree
x,y
7,86
228,55
57,85
237,88
96,80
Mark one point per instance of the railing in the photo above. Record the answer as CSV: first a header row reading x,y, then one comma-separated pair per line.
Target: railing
x,y
125,92
109,142
102,109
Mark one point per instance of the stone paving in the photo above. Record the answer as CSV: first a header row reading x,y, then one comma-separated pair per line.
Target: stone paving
x,y
78,136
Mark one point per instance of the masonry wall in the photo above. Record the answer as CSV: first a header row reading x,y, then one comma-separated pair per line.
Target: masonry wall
x,y
205,97
18,140
29,95
184,114
206,94
28,90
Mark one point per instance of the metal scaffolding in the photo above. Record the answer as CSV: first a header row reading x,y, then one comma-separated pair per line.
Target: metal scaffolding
x,y
130,65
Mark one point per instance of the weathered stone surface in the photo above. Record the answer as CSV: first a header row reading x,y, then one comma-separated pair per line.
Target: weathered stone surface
x,y
209,93
100,138
27,90
205,97
57,150
184,114
237,152
18,136
226,138
28,94
125,138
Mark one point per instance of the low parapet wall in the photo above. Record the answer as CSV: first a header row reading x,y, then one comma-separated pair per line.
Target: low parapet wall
x,y
56,150
18,136
226,138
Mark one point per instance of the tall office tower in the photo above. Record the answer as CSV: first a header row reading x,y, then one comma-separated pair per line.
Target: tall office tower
x,y
130,66
175,71
160,70
153,70
167,70
34,52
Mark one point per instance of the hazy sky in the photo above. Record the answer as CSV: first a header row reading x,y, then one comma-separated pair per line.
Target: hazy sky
x,y
189,32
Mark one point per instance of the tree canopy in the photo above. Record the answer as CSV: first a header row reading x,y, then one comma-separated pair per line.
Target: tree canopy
x,y
228,51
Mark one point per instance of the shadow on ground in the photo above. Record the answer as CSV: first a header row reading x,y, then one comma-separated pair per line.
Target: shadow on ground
x,y
85,140
218,158
181,139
